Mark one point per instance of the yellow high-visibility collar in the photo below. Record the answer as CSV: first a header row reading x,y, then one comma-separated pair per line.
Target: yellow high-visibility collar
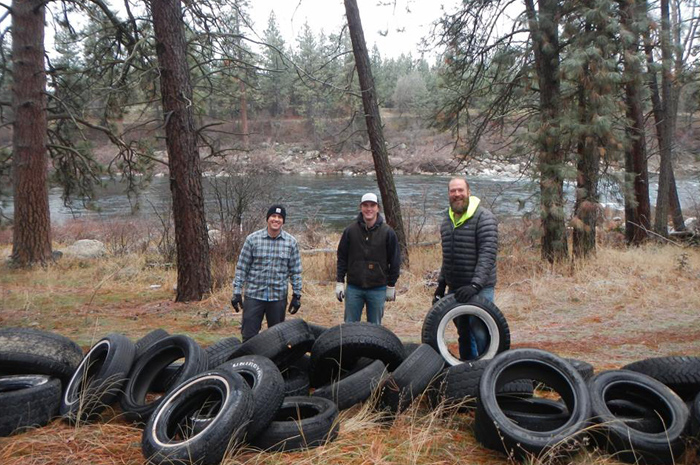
x,y
471,209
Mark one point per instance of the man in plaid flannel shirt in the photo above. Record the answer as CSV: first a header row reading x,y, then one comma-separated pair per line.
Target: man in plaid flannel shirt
x,y
268,260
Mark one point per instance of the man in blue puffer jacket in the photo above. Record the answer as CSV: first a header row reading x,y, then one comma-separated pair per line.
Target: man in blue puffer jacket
x,y
469,236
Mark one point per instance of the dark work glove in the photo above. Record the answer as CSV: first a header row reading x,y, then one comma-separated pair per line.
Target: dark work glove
x,y
237,302
440,291
464,293
294,304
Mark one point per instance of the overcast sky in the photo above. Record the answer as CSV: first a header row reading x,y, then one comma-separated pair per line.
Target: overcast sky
x,y
412,17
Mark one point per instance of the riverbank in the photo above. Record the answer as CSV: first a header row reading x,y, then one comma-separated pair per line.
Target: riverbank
x,y
415,149
622,305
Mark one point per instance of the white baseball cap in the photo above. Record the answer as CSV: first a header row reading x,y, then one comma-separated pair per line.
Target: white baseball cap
x,y
369,197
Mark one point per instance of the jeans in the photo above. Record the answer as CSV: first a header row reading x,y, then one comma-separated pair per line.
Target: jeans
x,y
473,335
356,298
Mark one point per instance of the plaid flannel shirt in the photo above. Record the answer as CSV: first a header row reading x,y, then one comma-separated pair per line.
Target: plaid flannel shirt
x,y
266,264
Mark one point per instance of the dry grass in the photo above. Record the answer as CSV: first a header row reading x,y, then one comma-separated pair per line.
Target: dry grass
x,y
622,305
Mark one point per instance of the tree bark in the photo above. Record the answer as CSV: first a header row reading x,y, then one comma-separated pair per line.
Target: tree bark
x,y
664,125
637,205
586,205
242,86
385,178
674,202
545,38
193,273
31,241
665,128
244,115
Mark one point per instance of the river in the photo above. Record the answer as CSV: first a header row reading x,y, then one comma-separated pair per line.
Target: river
x,y
333,200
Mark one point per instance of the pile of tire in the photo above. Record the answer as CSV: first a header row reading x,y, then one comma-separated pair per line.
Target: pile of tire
x,y
534,404
282,390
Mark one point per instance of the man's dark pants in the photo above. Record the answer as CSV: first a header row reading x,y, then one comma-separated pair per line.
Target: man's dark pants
x,y
253,312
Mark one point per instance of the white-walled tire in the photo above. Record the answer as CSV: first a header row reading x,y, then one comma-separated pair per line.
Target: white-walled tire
x,y
99,379
223,397
442,315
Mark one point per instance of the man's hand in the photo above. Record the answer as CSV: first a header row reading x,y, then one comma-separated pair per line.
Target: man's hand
x,y
464,293
294,304
390,294
339,291
440,291
237,302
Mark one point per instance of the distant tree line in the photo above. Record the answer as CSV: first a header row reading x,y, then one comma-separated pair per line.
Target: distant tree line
x,y
575,87
185,76
569,85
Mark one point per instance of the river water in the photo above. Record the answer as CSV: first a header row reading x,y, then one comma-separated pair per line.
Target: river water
x,y
334,200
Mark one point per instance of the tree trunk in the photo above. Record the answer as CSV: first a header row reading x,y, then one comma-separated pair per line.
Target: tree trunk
x,y
193,274
385,178
31,236
664,125
674,203
636,190
677,46
586,205
244,115
664,135
545,38
241,85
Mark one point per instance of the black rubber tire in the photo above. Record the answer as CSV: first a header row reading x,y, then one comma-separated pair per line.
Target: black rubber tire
x,y
447,309
36,352
302,364
534,413
316,330
99,379
523,388
636,415
585,369
341,346
217,353
695,417
149,366
618,437
296,382
459,385
149,338
267,385
27,401
222,350
496,431
167,377
355,387
301,423
409,347
410,379
283,343
682,374
228,401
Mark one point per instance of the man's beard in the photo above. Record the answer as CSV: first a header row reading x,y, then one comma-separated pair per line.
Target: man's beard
x,y
458,206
